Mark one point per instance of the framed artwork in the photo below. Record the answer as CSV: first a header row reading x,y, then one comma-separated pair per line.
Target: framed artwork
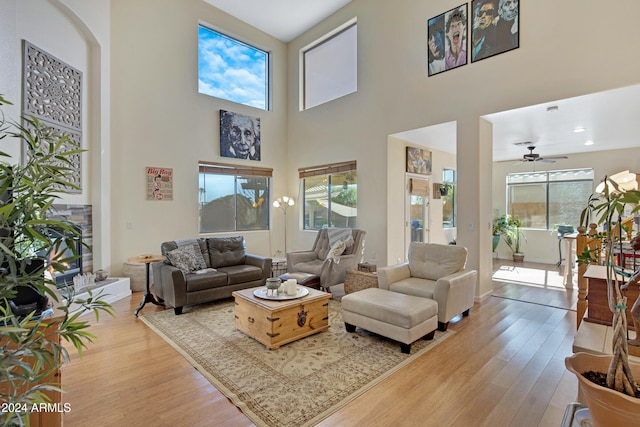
x,y
494,27
159,183
447,40
418,161
239,136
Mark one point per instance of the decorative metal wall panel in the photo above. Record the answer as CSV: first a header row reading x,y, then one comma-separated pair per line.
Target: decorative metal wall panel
x,y
75,159
52,92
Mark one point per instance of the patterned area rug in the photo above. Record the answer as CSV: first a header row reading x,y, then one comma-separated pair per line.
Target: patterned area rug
x,y
298,384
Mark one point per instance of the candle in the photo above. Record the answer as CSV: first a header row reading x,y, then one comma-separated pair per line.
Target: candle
x,y
292,287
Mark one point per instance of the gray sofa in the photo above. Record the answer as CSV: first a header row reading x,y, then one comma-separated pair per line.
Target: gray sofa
x,y
206,269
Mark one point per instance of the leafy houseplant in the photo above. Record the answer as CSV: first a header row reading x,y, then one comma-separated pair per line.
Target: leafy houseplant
x,y
500,228
30,243
608,208
445,188
514,237
510,230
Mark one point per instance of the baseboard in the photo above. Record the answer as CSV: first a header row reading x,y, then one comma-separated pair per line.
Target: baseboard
x,y
482,298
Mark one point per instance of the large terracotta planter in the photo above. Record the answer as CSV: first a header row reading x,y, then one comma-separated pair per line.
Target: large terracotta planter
x,y
607,407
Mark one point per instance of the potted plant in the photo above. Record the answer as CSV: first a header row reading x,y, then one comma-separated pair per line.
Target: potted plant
x,y
614,399
445,188
30,349
513,238
500,227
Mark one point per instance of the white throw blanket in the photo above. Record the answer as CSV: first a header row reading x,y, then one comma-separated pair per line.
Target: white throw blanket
x,y
340,234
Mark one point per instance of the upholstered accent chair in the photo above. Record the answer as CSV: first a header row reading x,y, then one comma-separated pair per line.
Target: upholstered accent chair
x,y
328,258
437,272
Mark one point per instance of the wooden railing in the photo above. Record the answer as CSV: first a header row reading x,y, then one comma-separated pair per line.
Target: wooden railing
x,y
583,241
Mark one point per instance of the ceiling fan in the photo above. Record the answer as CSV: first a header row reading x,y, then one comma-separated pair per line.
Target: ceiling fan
x,y
535,157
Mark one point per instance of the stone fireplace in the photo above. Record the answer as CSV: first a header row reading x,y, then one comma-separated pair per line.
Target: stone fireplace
x,y
81,217
74,267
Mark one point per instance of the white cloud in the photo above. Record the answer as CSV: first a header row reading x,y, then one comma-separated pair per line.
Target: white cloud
x,y
231,70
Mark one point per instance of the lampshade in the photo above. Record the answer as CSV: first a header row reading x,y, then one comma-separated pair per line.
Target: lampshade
x,y
283,202
625,180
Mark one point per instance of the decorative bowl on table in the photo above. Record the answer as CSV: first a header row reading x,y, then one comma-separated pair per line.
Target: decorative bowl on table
x,y
273,283
101,275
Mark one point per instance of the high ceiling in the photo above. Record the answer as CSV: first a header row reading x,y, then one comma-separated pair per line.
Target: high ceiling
x,y
283,19
610,119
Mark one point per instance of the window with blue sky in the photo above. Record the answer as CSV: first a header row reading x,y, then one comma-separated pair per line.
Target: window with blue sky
x,y
232,70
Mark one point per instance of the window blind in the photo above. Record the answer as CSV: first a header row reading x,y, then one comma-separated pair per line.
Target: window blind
x,y
227,169
419,187
327,169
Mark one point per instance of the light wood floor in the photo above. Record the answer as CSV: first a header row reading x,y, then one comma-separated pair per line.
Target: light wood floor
x,y
503,367
538,283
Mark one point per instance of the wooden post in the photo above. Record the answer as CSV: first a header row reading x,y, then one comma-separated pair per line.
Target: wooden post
x,y
582,242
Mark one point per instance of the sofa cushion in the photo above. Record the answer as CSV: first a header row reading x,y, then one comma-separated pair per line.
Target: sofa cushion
x,y
414,286
187,258
241,273
337,249
323,245
210,279
433,261
226,251
340,234
313,267
166,247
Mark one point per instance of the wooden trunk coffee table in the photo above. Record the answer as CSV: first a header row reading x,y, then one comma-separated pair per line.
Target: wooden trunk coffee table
x,y
274,322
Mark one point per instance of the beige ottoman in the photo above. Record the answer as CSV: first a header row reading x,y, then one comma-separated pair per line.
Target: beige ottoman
x,y
403,318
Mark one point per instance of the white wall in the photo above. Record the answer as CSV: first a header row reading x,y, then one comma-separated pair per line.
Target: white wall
x,y
160,119
10,64
397,241
437,234
559,57
76,32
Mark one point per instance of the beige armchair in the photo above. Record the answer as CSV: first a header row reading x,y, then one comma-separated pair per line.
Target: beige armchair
x,y
331,270
437,272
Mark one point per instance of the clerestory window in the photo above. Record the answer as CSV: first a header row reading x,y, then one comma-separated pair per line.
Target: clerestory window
x,y
232,70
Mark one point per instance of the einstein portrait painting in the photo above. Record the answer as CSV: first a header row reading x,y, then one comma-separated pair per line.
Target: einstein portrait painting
x,y
239,136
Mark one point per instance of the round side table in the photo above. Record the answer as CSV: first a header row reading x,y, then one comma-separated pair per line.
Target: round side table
x,y
148,296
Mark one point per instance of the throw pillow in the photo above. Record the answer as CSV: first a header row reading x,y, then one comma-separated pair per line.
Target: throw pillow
x,y
187,258
336,250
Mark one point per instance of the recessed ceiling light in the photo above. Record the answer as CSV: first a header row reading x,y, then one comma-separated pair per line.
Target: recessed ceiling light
x,y
579,129
552,109
589,142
